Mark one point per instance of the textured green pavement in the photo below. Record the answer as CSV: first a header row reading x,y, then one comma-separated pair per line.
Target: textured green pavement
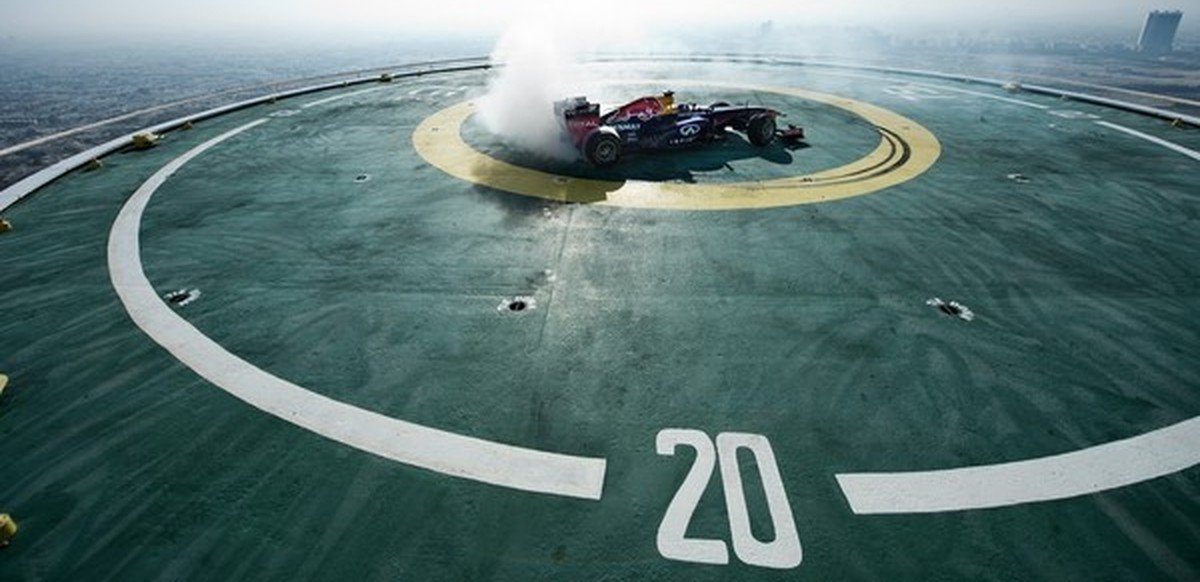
x,y
807,325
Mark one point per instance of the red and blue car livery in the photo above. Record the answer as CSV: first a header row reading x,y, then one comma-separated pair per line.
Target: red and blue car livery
x,y
656,123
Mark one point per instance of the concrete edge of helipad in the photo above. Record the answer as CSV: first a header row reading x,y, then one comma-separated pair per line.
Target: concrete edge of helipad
x,y
36,181
1031,88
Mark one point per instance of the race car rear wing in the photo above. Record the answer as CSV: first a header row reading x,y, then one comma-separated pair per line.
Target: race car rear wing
x,y
576,107
578,117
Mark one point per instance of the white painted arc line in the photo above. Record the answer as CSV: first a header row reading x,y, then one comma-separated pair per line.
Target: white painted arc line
x,y
1078,473
993,97
340,97
436,450
937,87
1083,472
1195,155
1086,471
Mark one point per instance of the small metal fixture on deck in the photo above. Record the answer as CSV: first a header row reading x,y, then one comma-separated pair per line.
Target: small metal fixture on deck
x,y
953,308
8,529
517,305
145,140
182,297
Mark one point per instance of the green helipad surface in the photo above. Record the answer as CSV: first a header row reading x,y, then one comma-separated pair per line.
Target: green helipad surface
x,y
347,394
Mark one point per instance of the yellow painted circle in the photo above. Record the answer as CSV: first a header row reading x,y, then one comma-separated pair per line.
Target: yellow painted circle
x,y
906,150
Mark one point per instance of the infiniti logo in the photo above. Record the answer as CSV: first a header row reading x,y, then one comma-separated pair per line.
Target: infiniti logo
x,y
689,130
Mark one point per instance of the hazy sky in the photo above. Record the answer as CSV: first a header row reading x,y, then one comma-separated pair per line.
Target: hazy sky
x,y
381,17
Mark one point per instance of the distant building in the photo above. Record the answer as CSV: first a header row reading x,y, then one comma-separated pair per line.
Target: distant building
x,y
1158,36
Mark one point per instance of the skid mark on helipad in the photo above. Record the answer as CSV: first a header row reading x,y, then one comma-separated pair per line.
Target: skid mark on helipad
x,y
436,450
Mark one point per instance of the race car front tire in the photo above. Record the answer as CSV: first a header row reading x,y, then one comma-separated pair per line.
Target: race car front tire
x,y
602,147
761,129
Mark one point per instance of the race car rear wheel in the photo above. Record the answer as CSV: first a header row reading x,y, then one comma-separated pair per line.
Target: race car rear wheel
x,y
761,129
602,147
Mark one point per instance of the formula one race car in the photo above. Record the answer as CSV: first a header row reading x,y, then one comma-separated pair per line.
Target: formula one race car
x,y
653,123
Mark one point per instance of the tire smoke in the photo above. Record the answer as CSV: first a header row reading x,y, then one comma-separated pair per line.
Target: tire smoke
x,y
534,68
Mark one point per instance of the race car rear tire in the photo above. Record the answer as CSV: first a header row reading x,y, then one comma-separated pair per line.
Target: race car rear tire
x,y
761,129
602,147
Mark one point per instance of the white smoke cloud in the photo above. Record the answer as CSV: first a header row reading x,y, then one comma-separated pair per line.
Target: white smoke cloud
x,y
536,66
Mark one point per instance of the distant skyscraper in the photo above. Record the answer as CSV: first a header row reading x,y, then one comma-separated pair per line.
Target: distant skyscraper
x,y
1158,36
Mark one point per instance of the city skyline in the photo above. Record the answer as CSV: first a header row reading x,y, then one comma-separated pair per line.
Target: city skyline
x,y
125,19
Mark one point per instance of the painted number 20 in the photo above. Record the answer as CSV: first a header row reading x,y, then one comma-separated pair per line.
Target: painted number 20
x,y
783,552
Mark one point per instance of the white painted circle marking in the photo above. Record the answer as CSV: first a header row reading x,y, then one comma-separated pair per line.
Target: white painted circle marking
x,y
436,450
1090,470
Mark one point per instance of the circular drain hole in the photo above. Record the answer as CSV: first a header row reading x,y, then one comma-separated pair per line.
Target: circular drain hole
x,y
362,178
516,305
182,297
